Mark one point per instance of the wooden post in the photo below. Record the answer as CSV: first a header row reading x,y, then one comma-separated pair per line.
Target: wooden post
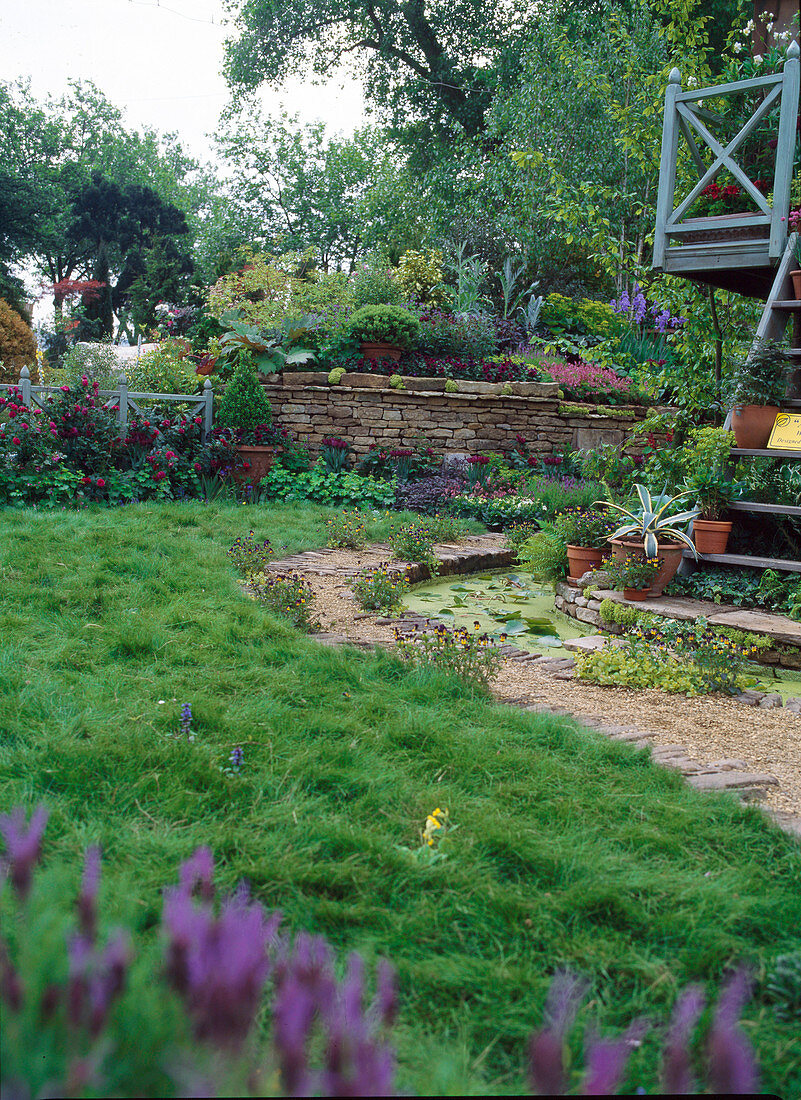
x,y
785,150
667,168
122,410
208,409
25,386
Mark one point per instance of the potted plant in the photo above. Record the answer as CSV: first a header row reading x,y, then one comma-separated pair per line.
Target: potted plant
x,y
384,331
634,574
585,532
653,532
245,408
756,392
713,493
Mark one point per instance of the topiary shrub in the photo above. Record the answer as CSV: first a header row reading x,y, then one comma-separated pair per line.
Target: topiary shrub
x,y
384,325
244,406
17,345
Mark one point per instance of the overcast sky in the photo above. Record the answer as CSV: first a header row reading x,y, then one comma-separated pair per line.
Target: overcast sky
x,y
159,61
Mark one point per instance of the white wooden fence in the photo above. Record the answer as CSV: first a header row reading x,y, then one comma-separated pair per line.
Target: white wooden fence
x,y
122,400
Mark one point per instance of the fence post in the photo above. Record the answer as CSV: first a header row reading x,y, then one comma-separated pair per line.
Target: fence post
x,y
208,409
667,169
122,410
25,386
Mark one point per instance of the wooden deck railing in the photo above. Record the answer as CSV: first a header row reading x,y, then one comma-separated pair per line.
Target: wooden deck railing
x,y
686,117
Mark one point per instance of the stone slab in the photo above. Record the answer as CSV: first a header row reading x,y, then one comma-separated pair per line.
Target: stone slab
x,y
723,781
782,629
589,644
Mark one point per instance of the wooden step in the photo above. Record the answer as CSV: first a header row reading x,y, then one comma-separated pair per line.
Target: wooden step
x,y
784,565
745,452
770,509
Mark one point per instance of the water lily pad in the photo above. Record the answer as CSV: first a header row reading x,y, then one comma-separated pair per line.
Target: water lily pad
x,y
445,611
551,641
539,626
460,588
516,626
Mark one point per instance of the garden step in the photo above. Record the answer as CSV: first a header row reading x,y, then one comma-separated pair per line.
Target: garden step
x,y
733,780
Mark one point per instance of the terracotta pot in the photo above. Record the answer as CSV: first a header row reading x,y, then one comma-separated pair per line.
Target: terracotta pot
x,y
635,593
752,425
257,461
796,277
580,560
711,535
382,351
670,554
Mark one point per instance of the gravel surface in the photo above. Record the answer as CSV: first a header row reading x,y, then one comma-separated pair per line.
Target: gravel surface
x,y
709,727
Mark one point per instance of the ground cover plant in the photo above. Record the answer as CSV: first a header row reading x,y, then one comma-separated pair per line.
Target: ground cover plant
x,y
112,621
379,588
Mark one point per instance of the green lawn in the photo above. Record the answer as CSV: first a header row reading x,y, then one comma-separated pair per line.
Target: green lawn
x,y
570,850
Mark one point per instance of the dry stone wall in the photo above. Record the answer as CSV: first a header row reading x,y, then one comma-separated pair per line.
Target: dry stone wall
x,y
365,410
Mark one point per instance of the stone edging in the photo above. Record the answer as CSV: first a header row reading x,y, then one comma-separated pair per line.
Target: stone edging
x,y
489,552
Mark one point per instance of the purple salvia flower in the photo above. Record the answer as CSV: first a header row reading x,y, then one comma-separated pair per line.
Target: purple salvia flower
x,y
606,1061
23,847
79,952
236,758
219,965
546,1049
196,874
677,1074
732,1067
87,899
108,979
385,1005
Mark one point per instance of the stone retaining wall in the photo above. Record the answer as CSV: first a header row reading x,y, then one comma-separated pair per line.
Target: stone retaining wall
x,y
365,410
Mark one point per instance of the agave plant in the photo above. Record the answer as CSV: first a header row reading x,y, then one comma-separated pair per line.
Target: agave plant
x,y
653,520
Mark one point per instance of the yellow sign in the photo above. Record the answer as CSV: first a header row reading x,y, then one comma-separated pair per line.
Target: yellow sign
x,y
786,434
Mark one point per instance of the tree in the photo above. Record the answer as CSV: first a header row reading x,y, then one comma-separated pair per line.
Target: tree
x,y
434,61
296,188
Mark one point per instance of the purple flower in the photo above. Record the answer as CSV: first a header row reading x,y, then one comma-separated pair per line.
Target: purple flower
x,y
606,1061
87,900
546,1068
186,722
23,847
218,964
236,757
677,1074
732,1067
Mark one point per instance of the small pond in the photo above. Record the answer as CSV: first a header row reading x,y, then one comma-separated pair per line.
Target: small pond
x,y
510,603
514,604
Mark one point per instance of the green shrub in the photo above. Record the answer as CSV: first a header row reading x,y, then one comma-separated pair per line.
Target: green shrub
x,y
350,489
244,406
583,317
613,612
420,275
384,325
374,283
380,588
100,363
166,369
288,595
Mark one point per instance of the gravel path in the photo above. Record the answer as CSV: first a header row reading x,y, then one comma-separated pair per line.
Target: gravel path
x,y
710,728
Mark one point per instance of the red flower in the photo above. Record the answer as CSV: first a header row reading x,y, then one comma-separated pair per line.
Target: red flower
x,y
160,474
197,467
101,483
86,481
669,436
16,441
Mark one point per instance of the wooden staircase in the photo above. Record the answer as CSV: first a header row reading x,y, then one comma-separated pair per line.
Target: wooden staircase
x,y
748,253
